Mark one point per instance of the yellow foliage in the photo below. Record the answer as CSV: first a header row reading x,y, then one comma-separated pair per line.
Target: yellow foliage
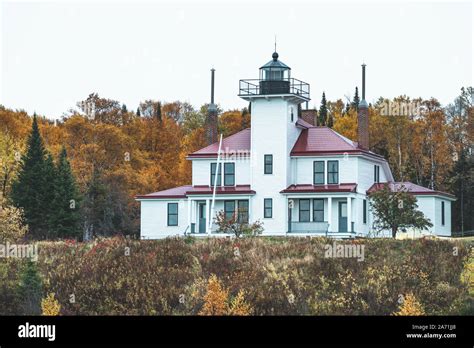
x,y
50,306
238,306
216,300
410,306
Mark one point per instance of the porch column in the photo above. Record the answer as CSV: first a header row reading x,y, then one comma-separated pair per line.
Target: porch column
x,y
208,212
190,202
329,214
349,214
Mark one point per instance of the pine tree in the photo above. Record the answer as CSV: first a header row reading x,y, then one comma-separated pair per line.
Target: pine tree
x,y
33,186
323,112
158,111
64,221
356,100
138,112
30,290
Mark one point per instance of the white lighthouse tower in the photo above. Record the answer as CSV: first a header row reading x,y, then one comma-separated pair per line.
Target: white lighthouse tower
x,y
275,98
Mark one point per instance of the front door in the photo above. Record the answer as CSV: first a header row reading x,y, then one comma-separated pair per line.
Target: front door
x,y
342,216
202,217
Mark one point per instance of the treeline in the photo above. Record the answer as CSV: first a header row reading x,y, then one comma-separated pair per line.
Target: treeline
x,y
115,153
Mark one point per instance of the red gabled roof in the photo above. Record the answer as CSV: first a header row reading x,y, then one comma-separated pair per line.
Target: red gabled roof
x,y
184,191
320,188
324,140
221,190
238,143
410,187
176,192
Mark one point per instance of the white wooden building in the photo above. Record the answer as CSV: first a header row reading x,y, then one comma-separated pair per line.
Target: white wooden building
x,y
297,178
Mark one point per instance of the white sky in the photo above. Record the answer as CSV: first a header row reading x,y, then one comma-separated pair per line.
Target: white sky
x,y
54,54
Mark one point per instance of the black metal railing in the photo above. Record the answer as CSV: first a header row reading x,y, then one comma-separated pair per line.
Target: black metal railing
x,y
252,87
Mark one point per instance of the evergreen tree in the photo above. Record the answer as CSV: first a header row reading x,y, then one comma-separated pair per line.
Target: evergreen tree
x,y
32,189
323,112
124,109
30,290
158,111
64,220
356,100
138,112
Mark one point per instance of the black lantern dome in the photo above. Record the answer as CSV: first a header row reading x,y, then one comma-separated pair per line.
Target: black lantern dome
x,y
275,77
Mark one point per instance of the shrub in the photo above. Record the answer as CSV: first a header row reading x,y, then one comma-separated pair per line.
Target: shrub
x,y
50,306
261,276
410,306
238,228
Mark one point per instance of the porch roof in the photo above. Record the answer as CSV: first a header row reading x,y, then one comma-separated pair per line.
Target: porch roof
x,y
411,188
349,187
221,190
187,190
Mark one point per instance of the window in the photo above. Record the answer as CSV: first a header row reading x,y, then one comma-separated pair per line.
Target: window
x,y
243,211
268,164
376,173
318,210
229,174
318,172
268,208
333,172
213,174
442,213
229,209
364,212
172,214
304,210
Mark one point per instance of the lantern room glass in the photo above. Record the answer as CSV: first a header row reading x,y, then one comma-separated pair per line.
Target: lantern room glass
x,y
274,73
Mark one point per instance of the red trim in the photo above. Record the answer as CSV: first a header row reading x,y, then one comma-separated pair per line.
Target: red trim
x,y
158,196
346,187
322,153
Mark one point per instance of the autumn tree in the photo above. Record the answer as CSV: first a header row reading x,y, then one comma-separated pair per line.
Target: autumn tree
x,y
396,209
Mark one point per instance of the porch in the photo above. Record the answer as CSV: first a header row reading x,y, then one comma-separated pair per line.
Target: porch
x,y
199,212
319,215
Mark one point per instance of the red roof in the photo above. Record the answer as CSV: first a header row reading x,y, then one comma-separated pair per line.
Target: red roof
x,y
324,140
184,191
176,192
238,143
320,188
221,190
410,187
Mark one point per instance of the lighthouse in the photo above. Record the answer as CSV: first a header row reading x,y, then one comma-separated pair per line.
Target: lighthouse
x,y
275,98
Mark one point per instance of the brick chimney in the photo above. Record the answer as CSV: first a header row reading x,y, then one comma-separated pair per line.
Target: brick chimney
x,y
363,117
309,115
211,119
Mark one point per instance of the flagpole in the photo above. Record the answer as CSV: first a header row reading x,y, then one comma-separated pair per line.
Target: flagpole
x,y
209,226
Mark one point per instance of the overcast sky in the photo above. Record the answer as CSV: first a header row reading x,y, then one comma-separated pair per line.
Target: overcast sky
x,y
54,54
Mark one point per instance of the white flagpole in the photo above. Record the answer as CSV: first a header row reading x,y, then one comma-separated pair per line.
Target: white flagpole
x,y
211,214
